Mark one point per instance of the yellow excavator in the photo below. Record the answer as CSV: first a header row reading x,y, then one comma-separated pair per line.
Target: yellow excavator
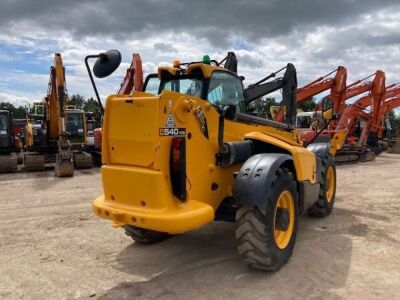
x,y
181,156
60,135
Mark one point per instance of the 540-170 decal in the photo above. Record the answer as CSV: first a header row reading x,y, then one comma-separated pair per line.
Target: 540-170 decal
x,y
172,131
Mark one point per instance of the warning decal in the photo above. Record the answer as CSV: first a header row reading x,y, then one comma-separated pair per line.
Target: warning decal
x,y
170,122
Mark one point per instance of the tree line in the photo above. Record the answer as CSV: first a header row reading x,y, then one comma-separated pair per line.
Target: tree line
x,y
77,101
261,105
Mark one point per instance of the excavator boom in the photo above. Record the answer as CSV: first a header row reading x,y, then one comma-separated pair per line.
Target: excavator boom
x,y
288,84
387,106
134,77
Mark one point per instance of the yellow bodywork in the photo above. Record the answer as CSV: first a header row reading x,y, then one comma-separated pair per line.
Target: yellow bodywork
x,y
337,141
136,171
28,134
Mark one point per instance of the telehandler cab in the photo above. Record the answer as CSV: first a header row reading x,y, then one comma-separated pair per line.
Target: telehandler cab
x,y
188,154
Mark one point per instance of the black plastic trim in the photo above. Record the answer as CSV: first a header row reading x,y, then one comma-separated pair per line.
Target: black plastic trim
x,y
254,179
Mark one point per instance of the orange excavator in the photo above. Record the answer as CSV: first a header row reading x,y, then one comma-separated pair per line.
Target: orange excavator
x,y
392,142
347,117
356,88
357,148
387,106
389,102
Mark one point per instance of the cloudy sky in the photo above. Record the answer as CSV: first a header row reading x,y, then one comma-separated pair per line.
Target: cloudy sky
x,y
315,35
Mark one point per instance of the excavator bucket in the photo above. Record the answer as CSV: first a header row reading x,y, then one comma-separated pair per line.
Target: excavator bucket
x,y
64,166
64,158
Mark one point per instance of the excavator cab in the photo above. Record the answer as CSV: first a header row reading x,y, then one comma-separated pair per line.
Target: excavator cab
x,y
327,108
8,157
76,127
6,140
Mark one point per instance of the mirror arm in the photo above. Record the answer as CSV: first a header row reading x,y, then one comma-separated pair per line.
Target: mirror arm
x,y
92,80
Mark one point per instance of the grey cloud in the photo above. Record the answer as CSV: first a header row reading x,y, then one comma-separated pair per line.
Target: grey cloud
x,y
214,20
315,35
165,47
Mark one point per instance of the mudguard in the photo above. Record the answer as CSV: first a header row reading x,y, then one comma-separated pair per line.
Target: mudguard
x,y
254,178
319,149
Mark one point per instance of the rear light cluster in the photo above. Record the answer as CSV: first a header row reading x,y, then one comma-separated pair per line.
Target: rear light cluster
x,y
178,167
98,137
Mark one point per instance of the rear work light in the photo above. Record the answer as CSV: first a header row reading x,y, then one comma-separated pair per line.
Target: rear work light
x,y
178,167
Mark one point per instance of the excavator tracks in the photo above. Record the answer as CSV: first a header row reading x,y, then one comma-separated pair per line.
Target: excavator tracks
x,y
394,146
8,163
348,155
83,160
34,162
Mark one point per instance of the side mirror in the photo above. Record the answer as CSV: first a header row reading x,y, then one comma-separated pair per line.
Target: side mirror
x,y
107,63
327,108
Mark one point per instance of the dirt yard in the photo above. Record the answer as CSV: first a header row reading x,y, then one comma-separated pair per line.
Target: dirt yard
x,y
53,247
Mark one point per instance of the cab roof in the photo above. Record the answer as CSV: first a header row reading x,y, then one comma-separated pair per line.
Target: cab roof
x,y
205,69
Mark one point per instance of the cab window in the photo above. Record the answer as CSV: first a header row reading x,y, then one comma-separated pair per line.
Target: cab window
x,y
153,85
188,86
75,124
226,89
3,122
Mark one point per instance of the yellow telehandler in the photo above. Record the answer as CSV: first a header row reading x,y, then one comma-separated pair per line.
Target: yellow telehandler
x,y
189,152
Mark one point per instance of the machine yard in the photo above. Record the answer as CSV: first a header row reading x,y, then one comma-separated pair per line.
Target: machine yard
x,y
53,246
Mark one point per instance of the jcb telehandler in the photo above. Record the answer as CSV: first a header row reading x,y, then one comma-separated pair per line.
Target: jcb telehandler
x,y
189,154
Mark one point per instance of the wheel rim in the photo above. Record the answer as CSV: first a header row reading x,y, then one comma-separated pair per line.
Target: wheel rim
x,y
286,203
330,184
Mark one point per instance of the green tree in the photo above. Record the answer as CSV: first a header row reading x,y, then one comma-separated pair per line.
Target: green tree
x,y
307,105
261,107
91,105
17,112
77,101
394,120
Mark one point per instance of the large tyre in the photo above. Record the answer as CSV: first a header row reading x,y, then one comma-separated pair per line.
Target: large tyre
x,y
145,236
266,237
326,199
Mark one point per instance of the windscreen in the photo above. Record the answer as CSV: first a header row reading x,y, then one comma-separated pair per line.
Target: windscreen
x,y
303,122
75,124
226,89
153,85
3,123
184,84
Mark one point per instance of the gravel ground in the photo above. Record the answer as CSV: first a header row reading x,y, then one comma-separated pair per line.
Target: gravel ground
x,y
53,247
